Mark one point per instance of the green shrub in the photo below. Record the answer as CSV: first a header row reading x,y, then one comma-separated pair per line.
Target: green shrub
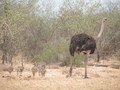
x,y
118,54
79,59
51,52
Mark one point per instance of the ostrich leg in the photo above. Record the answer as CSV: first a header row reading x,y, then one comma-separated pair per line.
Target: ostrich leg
x,y
71,67
86,62
98,55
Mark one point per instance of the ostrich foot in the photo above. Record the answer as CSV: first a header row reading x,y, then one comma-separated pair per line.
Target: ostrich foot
x,y
86,77
68,76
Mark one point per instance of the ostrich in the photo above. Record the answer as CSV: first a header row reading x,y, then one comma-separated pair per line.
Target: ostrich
x,y
20,69
10,68
34,69
85,44
41,69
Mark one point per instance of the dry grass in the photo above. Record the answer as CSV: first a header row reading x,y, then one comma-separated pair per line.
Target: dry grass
x,y
100,78
65,71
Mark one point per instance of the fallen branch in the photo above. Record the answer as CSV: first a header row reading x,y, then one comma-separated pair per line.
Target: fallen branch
x,y
102,65
98,65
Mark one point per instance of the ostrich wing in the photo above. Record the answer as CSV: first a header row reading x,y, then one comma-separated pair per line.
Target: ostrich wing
x,y
89,45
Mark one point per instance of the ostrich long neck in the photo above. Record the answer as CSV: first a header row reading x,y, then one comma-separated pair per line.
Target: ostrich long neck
x,y
101,30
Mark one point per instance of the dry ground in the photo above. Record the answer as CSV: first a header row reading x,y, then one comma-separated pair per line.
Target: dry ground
x,y
100,78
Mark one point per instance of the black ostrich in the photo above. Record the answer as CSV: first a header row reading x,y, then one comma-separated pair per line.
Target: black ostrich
x,y
85,44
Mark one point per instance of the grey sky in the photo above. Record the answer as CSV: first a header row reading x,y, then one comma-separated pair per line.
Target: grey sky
x,y
1,1
58,3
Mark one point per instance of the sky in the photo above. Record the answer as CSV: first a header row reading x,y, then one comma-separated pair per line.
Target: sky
x,y
57,3
0,1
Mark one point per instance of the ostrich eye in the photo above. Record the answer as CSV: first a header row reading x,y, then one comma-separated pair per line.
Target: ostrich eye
x,y
105,19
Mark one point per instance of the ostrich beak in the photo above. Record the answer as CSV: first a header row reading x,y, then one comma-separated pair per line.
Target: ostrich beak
x,y
104,19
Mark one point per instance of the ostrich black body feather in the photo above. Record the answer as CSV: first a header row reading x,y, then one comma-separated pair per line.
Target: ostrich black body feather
x,y
82,42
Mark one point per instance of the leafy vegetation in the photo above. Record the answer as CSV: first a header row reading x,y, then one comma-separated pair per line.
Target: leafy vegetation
x,y
42,34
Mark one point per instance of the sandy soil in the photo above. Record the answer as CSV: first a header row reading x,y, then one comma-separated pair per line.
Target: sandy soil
x,y
100,78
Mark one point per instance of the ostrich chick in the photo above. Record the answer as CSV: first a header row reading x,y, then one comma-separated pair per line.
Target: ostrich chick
x,y
41,69
34,69
20,69
10,69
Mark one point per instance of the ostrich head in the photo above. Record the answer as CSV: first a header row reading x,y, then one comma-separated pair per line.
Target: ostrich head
x,y
104,20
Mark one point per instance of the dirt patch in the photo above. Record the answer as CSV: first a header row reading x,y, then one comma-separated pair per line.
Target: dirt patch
x,y
100,78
